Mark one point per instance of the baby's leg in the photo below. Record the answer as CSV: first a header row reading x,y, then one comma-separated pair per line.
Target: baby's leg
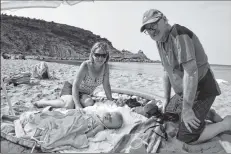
x,y
86,100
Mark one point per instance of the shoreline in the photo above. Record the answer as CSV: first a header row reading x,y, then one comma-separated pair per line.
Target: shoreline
x,y
80,61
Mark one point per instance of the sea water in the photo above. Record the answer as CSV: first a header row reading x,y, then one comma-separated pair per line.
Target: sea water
x,y
221,72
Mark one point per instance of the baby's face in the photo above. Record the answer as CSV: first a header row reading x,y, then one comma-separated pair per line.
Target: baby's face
x,y
112,120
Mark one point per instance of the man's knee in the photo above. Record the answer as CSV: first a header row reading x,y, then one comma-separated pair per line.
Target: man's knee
x,y
187,137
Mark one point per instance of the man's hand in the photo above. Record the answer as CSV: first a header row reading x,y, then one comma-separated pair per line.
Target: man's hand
x,y
189,119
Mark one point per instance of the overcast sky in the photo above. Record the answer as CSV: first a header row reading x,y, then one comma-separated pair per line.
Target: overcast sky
x,y
120,21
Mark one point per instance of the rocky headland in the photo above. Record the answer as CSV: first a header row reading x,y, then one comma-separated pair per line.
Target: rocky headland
x,y
26,38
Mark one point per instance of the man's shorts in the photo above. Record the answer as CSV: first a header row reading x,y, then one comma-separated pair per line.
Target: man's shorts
x,y
200,108
206,94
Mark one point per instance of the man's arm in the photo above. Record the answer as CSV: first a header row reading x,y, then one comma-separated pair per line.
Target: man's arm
x,y
75,88
106,83
187,58
190,82
167,90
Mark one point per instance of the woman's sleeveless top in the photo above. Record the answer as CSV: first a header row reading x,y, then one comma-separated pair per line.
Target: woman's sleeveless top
x,y
88,85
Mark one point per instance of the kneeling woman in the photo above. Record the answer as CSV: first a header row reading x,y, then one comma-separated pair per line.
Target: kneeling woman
x,y
92,73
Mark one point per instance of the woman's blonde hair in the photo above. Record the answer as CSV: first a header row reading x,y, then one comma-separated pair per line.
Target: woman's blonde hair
x,y
102,46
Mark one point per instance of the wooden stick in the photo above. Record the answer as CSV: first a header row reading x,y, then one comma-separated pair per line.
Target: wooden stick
x,y
8,100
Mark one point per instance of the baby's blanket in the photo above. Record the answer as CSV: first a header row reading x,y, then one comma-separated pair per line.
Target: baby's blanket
x,y
63,131
54,130
106,140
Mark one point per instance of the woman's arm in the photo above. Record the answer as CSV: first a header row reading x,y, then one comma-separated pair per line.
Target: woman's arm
x,y
75,88
93,132
106,83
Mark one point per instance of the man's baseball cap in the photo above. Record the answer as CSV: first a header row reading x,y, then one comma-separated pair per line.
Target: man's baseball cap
x,y
150,16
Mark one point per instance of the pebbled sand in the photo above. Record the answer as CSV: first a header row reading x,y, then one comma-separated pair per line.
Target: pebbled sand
x,y
23,95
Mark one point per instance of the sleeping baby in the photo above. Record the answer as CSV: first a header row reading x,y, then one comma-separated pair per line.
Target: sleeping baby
x,y
73,121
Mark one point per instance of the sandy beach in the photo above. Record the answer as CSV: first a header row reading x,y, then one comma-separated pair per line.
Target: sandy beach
x,y
23,95
50,89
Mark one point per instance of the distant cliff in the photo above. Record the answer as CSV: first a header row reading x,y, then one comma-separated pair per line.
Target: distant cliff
x,y
38,38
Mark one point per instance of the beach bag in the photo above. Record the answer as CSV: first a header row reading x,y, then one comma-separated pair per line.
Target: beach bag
x,y
41,71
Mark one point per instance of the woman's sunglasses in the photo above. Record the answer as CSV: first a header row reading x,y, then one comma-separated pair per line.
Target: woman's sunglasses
x,y
100,55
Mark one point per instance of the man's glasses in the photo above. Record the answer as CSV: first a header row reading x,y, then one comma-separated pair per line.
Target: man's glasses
x,y
104,55
151,27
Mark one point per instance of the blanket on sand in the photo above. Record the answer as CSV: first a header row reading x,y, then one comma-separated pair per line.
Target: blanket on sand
x,y
54,130
104,141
